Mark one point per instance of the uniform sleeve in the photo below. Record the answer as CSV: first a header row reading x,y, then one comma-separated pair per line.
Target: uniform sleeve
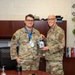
x,y
58,44
14,44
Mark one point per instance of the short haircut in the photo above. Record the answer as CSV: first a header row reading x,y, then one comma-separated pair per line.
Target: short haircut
x,y
29,15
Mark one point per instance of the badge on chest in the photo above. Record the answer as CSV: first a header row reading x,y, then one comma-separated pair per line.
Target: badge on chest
x,y
31,44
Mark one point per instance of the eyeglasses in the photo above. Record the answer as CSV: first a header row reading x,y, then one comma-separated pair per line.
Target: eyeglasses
x,y
30,20
51,19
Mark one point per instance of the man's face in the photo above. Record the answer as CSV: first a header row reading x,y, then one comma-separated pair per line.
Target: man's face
x,y
51,20
29,22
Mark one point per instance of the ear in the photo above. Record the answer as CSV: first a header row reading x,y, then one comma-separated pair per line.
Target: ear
x,y
25,21
55,20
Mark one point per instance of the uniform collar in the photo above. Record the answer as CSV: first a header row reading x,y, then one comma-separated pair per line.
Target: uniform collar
x,y
32,32
53,28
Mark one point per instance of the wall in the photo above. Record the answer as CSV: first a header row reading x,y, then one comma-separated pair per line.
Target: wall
x,y
17,9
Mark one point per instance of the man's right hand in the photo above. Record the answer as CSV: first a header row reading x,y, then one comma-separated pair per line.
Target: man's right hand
x,y
18,60
42,36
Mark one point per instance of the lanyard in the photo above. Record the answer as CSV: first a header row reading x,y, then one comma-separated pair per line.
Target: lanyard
x,y
29,33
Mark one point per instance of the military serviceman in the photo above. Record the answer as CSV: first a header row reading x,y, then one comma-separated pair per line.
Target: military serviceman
x,y
55,47
26,39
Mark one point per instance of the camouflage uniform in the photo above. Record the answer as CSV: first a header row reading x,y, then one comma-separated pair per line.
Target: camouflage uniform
x,y
29,55
54,56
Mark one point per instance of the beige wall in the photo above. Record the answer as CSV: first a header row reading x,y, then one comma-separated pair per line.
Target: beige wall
x,y
17,9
